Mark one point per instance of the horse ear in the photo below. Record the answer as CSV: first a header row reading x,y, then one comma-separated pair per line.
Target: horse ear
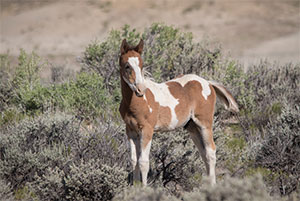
x,y
124,47
139,47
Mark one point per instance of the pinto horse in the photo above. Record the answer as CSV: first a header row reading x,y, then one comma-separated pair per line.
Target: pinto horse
x,y
187,101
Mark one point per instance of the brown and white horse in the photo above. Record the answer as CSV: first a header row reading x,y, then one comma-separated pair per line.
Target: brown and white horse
x,y
187,101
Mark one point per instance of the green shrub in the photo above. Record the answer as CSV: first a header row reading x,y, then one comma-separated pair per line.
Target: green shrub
x,y
33,145
90,180
102,58
232,151
29,95
251,188
21,92
167,53
60,74
50,185
43,153
145,194
5,82
5,191
10,115
175,164
95,181
280,150
273,85
108,143
274,82
85,96
232,189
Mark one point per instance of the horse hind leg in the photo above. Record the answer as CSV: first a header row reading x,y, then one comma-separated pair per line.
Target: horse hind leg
x,y
203,139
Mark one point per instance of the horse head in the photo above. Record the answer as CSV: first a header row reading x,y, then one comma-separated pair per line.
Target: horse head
x,y
131,67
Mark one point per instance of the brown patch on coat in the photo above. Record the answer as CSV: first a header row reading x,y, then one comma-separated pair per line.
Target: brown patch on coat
x,y
160,116
146,136
204,110
183,109
164,118
191,99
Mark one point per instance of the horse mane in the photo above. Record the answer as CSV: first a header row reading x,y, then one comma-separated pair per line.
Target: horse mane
x,y
146,74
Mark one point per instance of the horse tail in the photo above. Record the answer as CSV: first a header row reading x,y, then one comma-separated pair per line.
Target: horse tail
x,y
225,96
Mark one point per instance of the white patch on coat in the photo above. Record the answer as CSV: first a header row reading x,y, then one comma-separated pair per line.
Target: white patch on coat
x,y
163,96
134,63
187,78
145,98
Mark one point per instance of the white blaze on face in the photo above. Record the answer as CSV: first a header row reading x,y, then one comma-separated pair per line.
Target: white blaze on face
x,y
187,78
134,63
163,96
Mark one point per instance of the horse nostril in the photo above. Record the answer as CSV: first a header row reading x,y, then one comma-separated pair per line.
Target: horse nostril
x,y
138,92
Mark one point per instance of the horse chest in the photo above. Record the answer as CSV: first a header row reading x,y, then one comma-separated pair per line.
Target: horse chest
x,y
138,116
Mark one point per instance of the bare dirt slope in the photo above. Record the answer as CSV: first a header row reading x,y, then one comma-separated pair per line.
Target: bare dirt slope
x,y
60,30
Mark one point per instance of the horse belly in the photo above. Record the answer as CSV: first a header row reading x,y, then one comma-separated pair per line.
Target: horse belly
x,y
168,119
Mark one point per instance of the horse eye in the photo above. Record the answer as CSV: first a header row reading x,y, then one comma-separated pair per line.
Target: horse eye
x,y
127,66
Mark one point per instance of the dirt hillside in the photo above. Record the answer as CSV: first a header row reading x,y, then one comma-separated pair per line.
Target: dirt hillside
x,y
60,30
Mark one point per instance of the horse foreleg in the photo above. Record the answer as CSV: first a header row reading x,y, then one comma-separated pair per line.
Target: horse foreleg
x,y
146,139
134,144
134,152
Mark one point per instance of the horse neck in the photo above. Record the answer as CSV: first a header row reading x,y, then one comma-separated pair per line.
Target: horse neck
x,y
127,93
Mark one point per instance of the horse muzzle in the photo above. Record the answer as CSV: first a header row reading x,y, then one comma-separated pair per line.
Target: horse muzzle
x,y
140,90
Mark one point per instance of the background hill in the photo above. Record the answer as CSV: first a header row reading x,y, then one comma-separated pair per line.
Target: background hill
x,y
249,30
